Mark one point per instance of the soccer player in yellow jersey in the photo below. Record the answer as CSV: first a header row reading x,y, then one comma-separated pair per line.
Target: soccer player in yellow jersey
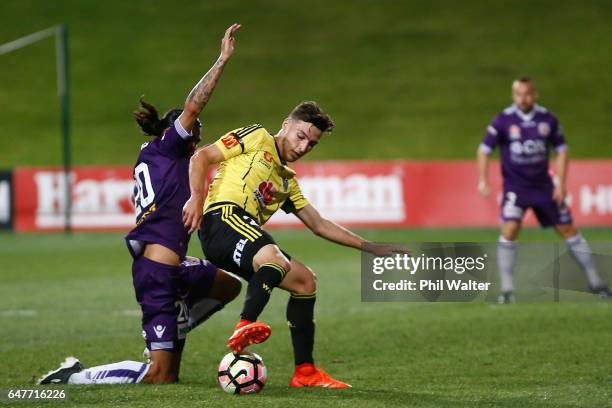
x,y
253,181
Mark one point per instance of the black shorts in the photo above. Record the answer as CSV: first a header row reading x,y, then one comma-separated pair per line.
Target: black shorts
x,y
230,239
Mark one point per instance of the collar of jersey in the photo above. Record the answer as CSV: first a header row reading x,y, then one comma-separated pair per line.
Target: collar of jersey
x,y
527,117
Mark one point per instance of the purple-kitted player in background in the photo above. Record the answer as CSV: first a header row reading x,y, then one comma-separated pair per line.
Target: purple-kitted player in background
x,y
525,133
176,292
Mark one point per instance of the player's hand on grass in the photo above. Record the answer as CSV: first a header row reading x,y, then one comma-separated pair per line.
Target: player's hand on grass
x,y
385,249
484,188
192,213
229,41
559,194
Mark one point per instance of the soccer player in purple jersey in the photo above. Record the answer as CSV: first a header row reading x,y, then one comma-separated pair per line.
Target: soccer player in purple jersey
x,y
525,132
176,292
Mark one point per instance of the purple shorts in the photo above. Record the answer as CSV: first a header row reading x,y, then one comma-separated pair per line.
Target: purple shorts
x,y
515,203
165,294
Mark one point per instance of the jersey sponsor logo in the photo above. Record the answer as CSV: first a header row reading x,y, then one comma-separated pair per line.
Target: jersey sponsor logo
x,y
543,129
229,141
515,132
528,147
237,256
146,214
265,193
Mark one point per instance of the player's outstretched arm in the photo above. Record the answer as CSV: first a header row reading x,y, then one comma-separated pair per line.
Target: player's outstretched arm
x,y
198,169
333,232
328,229
482,160
201,92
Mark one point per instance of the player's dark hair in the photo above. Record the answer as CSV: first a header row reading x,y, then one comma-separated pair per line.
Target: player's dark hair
x,y
311,112
524,79
148,119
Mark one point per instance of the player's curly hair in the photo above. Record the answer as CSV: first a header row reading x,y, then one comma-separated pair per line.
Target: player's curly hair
x,y
311,112
148,119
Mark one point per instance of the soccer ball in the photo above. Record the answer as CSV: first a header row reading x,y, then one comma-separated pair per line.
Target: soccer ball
x,y
242,373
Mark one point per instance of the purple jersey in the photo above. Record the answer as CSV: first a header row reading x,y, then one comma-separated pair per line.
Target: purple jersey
x,y
524,141
161,176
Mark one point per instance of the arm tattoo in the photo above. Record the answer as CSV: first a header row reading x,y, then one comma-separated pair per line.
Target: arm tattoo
x,y
204,88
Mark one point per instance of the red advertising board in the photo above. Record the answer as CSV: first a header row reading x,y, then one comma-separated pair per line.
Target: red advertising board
x,y
101,198
353,193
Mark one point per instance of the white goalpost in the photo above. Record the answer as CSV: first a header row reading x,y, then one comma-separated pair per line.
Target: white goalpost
x,y
61,52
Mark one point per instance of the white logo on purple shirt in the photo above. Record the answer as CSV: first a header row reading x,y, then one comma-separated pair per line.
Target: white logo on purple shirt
x,y
528,147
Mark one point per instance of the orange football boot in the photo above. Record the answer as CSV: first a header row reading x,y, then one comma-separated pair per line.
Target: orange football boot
x,y
246,333
308,375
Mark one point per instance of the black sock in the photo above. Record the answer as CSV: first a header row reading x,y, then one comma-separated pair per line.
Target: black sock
x,y
300,316
267,277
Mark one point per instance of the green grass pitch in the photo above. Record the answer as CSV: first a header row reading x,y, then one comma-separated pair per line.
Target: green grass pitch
x,y
72,295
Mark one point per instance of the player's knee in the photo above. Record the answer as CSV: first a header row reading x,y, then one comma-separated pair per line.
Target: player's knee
x,y
279,260
567,231
271,254
233,287
310,286
510,231
284,263
226,287
308,282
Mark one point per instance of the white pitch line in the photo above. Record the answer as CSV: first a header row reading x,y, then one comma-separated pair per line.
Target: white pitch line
x,y
18,312
32,312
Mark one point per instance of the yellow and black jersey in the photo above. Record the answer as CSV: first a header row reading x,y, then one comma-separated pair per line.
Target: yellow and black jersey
x,y
253,177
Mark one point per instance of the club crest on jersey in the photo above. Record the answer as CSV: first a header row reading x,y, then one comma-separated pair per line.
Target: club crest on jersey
x,y
266,160
265,193
543,129
514,132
